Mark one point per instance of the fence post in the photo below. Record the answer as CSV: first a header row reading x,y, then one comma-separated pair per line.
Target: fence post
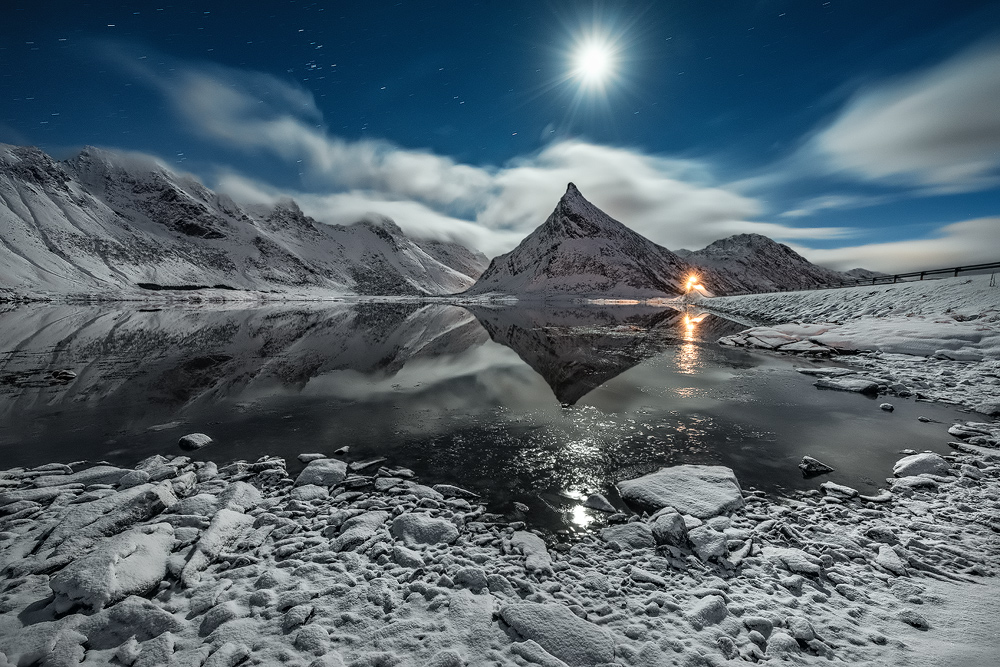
x,y
957,269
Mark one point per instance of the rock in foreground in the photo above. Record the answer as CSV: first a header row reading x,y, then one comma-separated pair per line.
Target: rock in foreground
x,y
696,490
209,565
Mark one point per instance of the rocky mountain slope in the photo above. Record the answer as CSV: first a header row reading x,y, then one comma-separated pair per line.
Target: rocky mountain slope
x,y
753,263
582,251
115,224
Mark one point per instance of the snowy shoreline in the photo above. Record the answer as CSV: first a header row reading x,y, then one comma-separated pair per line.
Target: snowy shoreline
x,y
185,563
934,340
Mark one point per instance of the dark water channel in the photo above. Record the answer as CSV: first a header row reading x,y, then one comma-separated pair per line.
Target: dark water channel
x,y
538,406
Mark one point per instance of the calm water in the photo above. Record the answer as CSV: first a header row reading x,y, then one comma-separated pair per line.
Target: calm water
x,y
519,404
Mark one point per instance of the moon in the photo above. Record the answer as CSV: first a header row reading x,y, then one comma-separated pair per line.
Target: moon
x,y
594,63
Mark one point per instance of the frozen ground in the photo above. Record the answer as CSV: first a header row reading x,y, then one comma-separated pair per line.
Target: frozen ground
x,y
936,339
185,563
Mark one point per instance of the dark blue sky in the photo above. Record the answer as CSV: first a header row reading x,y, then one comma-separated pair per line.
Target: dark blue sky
x,y
870,120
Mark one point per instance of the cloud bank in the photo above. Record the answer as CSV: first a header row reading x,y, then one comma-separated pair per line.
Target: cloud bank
x,y
938,129
956,244
673,202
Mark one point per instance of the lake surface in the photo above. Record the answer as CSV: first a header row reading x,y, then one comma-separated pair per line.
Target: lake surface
x,y
536,405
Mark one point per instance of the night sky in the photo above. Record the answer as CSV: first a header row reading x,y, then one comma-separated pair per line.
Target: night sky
x,y
859,132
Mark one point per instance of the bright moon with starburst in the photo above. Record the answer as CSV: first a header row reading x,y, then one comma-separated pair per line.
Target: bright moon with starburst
x,y
594,63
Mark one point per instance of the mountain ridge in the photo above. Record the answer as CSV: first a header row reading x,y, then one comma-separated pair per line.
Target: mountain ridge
x,y
581,251
104,222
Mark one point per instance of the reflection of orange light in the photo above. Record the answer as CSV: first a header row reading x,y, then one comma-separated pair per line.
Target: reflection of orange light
x,y
690,323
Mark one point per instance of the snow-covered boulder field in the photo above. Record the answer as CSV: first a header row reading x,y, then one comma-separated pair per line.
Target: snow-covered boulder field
x,y
190,563
935,339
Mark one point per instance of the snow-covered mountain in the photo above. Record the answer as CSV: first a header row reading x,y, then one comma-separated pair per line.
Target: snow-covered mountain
x,y
752,263
582,251
111,224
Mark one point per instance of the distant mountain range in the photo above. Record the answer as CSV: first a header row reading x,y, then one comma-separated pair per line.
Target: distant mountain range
x,y
582,251
752,262
113,225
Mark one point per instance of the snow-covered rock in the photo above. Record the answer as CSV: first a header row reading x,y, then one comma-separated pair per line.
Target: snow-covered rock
x,y
193,441
669,527
920,464
132,563
561,633
697,490
323,472
857,385
635,535
536,554
417,529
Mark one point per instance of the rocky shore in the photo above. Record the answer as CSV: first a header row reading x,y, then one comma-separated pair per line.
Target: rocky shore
x,y
179,562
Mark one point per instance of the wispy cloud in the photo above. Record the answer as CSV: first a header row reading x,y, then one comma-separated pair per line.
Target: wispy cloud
x,y
814,205
938,129
967,242
672,201
344,208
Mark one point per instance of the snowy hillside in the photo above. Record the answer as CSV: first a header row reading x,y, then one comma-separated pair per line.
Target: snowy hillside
x,y
581,251
105,223
752,262
937,339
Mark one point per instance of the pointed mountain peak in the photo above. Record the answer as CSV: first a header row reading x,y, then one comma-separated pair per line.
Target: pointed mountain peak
x,y
581,250
573,198
574,217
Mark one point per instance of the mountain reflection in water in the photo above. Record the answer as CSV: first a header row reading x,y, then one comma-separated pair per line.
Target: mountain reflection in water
x,y
542,406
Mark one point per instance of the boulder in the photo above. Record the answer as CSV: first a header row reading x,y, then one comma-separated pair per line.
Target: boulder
x,y
698,490
920,464
989,408
857,385
193,441
636,535
598,502
323,472
811,467
561,633
536,554
669,528
359,529
414,529
132,563
707,542
709,610
94,475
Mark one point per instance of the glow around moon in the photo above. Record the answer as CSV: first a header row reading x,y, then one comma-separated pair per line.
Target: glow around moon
x,y
594,63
